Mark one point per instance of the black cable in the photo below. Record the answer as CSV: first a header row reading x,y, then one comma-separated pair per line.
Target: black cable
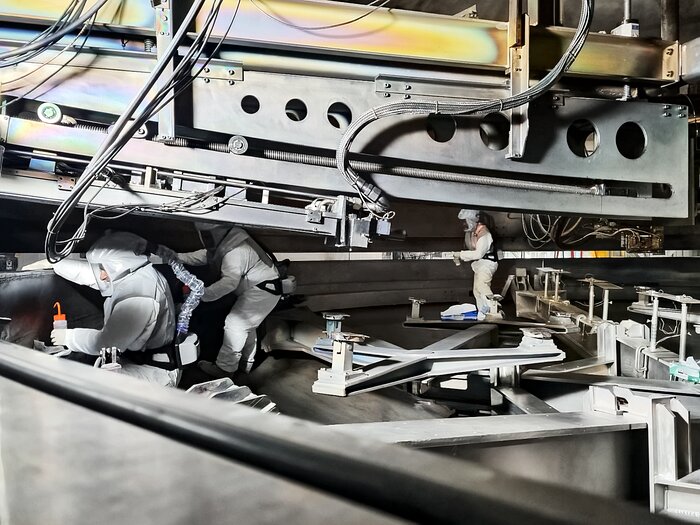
x,y
180,79
68,15
48,41
38,85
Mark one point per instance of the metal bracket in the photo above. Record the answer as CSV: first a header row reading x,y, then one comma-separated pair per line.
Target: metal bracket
x,y
672,63
415,309
670,445
314,216
220,70
65,183
407,88
165,28
518,38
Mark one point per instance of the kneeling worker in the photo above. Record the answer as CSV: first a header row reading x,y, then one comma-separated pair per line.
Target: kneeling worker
x,y
139,312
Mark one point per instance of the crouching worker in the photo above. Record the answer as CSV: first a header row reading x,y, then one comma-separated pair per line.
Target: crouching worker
x,y
139,314
245,268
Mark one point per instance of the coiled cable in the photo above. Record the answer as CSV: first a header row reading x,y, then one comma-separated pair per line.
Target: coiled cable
x,y
372,196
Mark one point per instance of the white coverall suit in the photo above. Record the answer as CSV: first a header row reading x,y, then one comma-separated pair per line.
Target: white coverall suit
x,y
479,243
139,312
243,265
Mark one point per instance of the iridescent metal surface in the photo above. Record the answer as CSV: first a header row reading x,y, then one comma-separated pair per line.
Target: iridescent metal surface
x,y
130,13
321,27
393,34
604,55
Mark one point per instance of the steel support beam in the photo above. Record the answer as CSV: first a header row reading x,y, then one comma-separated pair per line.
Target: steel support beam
x,y
392,35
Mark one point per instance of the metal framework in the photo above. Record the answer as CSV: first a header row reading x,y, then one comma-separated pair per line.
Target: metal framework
x,y
292,75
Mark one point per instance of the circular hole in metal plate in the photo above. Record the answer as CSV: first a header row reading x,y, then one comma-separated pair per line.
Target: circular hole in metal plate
x,y
631,140
583,138
441,128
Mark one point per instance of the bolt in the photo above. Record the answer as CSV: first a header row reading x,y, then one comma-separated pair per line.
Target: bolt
x,y
669,73
238,144
231,71
669,51
231,82
407,96
164,18
206,70
206,80
161,33
667,106
667,114
407,87
386,95
556,98
387,85
681,115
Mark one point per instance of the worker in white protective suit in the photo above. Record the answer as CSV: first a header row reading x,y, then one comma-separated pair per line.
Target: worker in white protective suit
x,y
481,251
139,313
243,268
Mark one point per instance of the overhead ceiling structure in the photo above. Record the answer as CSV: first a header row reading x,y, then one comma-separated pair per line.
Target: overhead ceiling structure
x,y
351,128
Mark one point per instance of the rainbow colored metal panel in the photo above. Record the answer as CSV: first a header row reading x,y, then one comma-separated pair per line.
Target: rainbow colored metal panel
x,y
130,13
603,55
394,34
29,133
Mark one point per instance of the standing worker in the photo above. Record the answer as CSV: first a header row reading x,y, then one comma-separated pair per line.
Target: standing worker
x,y
480,250
243,268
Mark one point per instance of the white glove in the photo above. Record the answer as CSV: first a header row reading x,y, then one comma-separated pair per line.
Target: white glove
x,y
166,253
457,260
58,336
39,265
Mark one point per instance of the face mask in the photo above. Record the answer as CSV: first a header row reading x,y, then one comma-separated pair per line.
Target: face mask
x,y
471,225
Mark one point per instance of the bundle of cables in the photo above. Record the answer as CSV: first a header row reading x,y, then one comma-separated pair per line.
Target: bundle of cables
x,y
71,19
569,232
131,120
371,196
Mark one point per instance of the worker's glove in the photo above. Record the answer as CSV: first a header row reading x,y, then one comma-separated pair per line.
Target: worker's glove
x,y
58,336
456,258
166,253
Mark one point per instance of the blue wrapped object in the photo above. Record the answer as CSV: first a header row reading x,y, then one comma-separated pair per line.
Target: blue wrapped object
x,y
460,312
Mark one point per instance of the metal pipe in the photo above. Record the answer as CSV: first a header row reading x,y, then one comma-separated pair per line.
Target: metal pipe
x,y
670,15
421,173
556,286
628,11
591,301
654,324
546,285
606,300
683,332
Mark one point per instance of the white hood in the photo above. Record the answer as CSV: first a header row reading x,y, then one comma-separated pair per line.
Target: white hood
x,y
470,217
116,254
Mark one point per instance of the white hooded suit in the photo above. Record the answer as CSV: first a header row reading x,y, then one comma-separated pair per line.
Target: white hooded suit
x,y
139,312
242,265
